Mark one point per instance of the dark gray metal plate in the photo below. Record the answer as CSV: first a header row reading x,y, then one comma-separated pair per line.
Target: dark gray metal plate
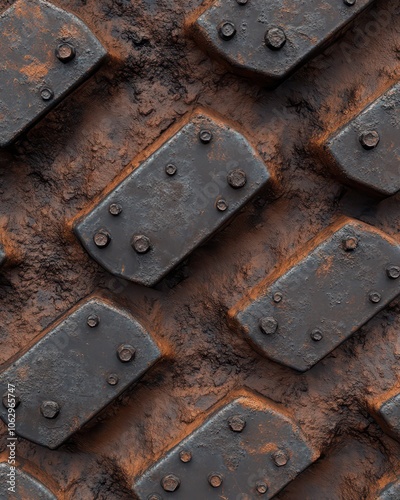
x,y
244,460
30,33
376,170
26,487
308,27
386,410
176,212
315,304
76,361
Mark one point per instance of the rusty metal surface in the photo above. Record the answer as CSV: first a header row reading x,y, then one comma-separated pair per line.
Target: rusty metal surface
x,y
343,279
18,485
175,200
77,368
249,448
386,410
46,52
390,492
365,153
268,41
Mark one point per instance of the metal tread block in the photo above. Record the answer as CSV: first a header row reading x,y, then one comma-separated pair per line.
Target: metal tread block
x,y
16,484
390,492
46,53
386,410
173,201
87,359
343,278
249,448
365,153
270,40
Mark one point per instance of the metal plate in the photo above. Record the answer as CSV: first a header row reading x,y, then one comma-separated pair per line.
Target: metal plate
x,y
79,361
26,487
270,40
32,78
175,212
386,410
390,492
296,317
251,445
366,152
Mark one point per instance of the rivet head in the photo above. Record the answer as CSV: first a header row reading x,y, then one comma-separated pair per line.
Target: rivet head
x,y
93,320
374,297
242,2
205,136
350,244
154,496
126,353
222,205
49,409
46,94
393,272
261,487
275,38
140,243
115,209
369,139
237,178
102,238
280,458
112,379
268,325
278,297
215,480
170,169
349,3
237,423
316,335
227,30
170,482
185,456
65,52
12,402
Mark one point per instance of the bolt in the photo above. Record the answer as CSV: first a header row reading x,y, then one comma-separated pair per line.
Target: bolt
x,y
112,379
93,320
170,169
375,297
237,423
316,335
393,272
46,94
140,243
185,456
227,30
12,402
275,38
278,297
369,139
115,209
280,458
237,178
350,3
261,487
65,52
242,2
154,496
215,480
170,482
268,325
205,136
350,244
126,353
49,409
222,205
102,238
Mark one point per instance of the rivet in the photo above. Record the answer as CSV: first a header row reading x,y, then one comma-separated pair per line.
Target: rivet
x,y
280,458
112,379
115,209
50,409
140,243
237,423
46,94
102,238
375,297
316,335
261,487
242,2
93,320
268,325
222,205
65,52
126,353
227,30
237,178
350,3
205,136
14,398
278,297
215,480
393,272
170,169
154,496
350,244
185,456
275,38
369,139
170,482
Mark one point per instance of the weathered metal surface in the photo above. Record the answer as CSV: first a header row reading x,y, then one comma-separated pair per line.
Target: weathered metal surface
x,y
174,201
390,492
248,448
386,410
87,359
270,40
46,53
16,484
365,153
340,281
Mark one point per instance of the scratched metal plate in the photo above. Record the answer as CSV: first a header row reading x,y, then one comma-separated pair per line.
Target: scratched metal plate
x,y
30,32
176,212
326,294
308,27
26,487
376,170
243,460
75,360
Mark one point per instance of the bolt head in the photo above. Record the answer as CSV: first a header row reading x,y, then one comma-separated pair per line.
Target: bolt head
x,y
280,458
102,238
215,480
375,297
316,335
237,423
205,136
393,272
170,482
140,243
49,409
65,52
261,487
126,353
350,244
154,496
185,456
170,169
369,139
227,30
93,320
242,2
115,209
349,3
14,401
237,178
222,205
278,297
112,379
46,94
268,325
275,38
